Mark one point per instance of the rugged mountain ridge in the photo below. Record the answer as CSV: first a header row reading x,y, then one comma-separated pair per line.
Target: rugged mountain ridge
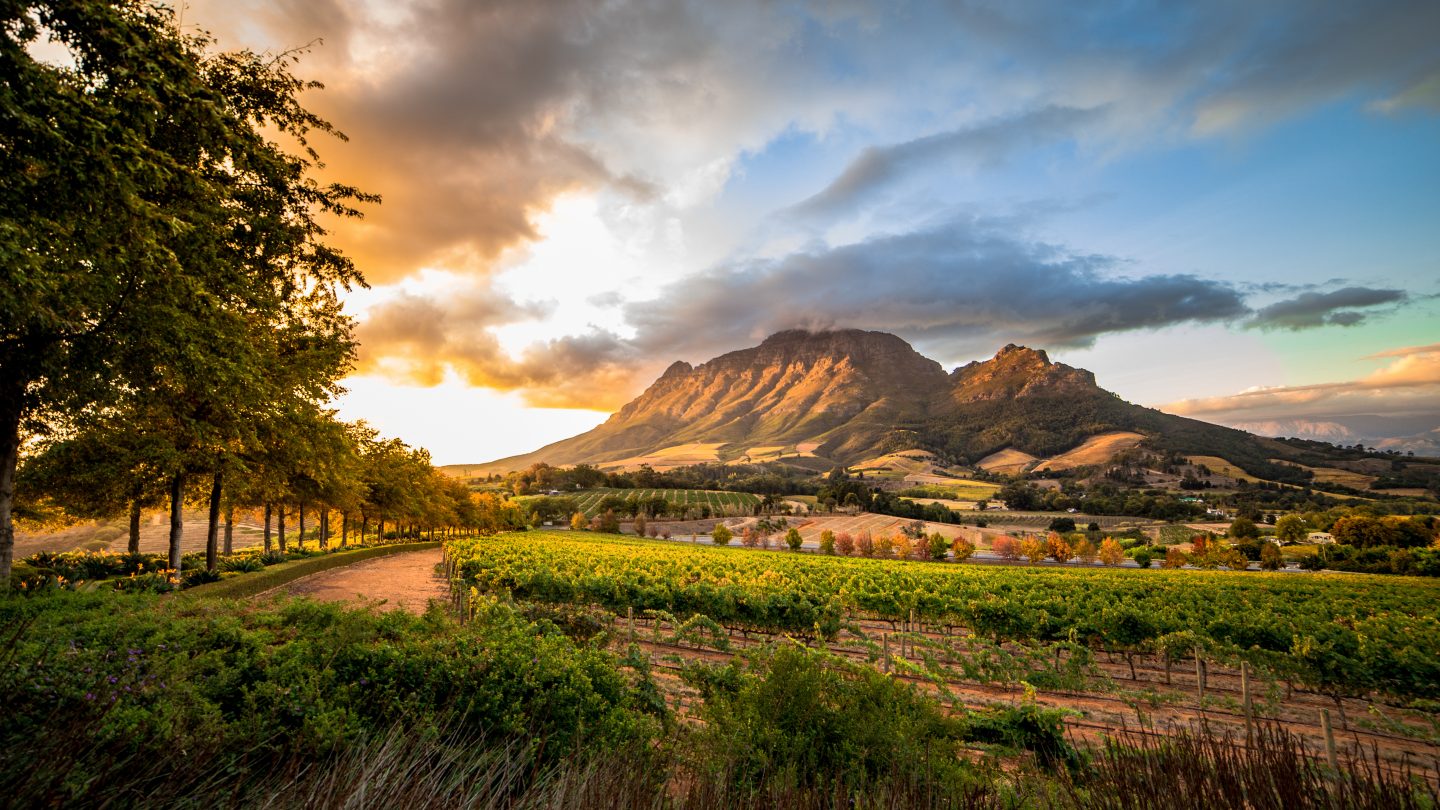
x,y
846,395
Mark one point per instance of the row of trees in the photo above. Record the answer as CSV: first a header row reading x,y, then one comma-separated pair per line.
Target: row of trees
x,y
325,469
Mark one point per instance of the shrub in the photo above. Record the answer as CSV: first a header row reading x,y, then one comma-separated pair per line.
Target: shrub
x,y
1142,558
793,539
721,535
827,542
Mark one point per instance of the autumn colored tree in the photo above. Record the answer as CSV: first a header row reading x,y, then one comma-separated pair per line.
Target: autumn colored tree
x,y
578,522
1057,548
1175,558
962,549
1006,547
1110,552
885,546
721,535
827,542
845,544
901,545
1033,550
639,525
1085,550
865,544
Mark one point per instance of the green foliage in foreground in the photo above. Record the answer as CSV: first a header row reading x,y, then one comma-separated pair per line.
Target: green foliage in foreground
x,y
95,682
1334,632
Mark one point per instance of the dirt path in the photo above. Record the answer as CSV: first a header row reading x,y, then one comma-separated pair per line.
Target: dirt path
x,y
406,580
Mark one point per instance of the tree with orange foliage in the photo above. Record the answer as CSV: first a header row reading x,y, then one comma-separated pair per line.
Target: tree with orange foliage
x,y
1057,548
1033,550
1110,552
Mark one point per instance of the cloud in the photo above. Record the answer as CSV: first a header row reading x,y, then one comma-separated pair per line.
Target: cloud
x,y
878,167
1310,310
1411,381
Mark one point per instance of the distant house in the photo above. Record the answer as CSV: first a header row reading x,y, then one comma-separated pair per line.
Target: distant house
x,y
1321,538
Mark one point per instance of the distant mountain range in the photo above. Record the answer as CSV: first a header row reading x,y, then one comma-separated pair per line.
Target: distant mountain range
x,y
840,397
1414,434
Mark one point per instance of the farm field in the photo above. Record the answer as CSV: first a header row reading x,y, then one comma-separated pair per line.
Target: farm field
x,y
1008,461
682,455
1094,450
719,503
1335,475
1118,647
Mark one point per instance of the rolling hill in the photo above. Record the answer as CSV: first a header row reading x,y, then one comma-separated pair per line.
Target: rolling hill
x,y
839,397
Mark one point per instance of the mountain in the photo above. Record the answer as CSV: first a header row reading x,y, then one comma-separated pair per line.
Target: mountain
x,y
843,396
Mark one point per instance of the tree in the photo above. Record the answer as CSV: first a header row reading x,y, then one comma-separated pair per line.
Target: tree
x,y
1085,550
578,521
1033,550
609,524
1062,525
865,544
962,549
845,544
1110,552
1006,547
158,225
939,546
1175,558
1143,558
885,546
1057,548
1243,527
721,535
1291,529
793,540
827,542
1270,559
639,525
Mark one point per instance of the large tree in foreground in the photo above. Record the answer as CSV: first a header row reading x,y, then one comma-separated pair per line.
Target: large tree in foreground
x,y
147,209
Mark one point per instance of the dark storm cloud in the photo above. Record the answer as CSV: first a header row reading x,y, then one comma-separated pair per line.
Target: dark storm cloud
x,y
965,282
878,167
1309,310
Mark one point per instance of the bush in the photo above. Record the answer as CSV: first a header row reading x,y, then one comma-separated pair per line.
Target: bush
x,y
796,717
249,689
1143,558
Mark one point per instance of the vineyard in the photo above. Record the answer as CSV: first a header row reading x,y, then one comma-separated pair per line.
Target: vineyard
x,y
1148,652
681,501
1335,633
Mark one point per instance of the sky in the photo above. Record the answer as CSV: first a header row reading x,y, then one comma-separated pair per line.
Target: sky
x,y
1230,210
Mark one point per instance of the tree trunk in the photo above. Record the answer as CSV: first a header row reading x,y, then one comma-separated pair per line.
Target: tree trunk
x,y
212,529
268,547
280,528
230,531
380,528
10,409
177,521
302,526
134,545
324,528
344,529
364,524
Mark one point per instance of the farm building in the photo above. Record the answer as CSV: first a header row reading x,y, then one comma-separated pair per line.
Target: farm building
x,y
1321,537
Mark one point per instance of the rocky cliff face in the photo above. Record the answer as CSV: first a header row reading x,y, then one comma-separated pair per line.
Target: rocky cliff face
x,y
847,392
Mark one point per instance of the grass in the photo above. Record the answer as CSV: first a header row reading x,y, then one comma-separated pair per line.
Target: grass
x,y
246,585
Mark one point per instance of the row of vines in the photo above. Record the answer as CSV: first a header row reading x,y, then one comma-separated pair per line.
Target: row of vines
x,y
1341,634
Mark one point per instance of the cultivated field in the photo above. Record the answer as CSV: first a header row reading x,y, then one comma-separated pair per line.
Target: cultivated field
x,y
1335,475
1008,462
682,455
1151,651
719,503
1097,449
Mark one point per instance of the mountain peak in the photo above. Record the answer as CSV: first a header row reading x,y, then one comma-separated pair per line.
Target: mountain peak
x,y
1018,371
1013,353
